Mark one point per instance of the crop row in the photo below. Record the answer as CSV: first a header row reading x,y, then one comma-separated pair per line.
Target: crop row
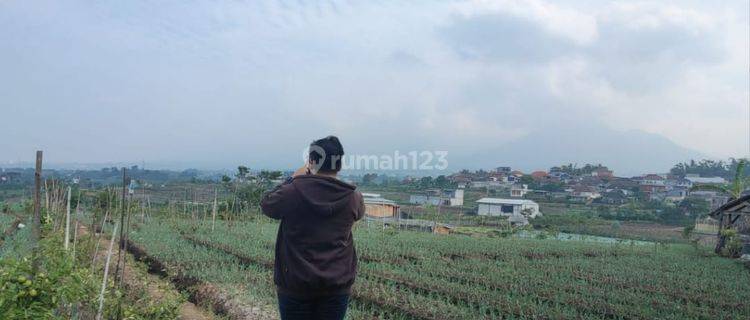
x,y
496,278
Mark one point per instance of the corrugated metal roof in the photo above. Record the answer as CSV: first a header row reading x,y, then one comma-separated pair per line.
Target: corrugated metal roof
x,y
736,206
379,201
505,201
370,195
715,180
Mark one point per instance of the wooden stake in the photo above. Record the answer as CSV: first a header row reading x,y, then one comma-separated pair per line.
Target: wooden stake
x,y
36,223
75,239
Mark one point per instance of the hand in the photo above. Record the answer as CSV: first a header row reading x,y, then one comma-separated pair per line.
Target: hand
x,y
301,171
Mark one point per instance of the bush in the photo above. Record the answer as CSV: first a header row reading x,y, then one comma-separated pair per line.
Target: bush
x,y
24,295
733,246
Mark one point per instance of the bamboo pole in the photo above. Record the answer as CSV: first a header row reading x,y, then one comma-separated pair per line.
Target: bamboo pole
x,y
98,238
46,195
106,273
213,211
126,227
143,208
67,222
148,204
75,230
75,239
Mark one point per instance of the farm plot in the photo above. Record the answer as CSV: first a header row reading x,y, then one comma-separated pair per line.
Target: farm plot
x,y
413,275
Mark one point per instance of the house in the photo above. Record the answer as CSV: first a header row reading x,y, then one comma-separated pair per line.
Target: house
x,y
507,207
678,183
519,190
614,196
539,175
558,174
439,197
460,178
504,170
585,192
675,195
623,183
379,207
652,183
696,179
487,184
603,173
516,173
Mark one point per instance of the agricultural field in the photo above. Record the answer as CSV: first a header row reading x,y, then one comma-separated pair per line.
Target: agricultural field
x,y
177,261
412,275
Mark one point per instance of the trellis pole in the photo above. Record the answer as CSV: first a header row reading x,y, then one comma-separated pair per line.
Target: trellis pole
x,y
67,221
213,211
35,224
106,273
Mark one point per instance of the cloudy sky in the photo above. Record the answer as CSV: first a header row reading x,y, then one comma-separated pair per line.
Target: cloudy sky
x,y
216,83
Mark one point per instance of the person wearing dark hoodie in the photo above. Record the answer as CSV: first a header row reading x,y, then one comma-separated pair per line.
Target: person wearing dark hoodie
x,y
315,263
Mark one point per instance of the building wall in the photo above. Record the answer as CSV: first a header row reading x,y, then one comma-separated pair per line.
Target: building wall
x,y
497,209
435,200
380,210
423,199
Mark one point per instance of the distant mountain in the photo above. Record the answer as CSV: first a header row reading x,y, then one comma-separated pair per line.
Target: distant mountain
x,y
626,152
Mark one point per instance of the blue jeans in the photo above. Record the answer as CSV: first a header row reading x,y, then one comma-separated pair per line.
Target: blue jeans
x,y
321,308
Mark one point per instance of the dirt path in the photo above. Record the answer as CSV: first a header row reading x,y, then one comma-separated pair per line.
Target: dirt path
x,y
138,280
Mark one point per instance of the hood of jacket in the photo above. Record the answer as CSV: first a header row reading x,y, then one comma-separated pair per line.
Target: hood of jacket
x,y
324,195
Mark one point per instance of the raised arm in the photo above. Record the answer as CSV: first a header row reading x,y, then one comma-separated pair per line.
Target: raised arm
x,y
360,207
277,202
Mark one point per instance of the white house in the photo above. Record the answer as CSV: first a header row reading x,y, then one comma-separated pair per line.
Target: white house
x,y
507,207
518,191
437,197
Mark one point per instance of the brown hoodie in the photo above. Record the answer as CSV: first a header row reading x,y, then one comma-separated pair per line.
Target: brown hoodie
x,y
315,253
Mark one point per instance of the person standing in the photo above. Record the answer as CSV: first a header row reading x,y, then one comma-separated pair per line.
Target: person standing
x,y
315,261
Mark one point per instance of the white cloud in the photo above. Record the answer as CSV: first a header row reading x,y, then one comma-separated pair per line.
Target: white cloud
x,y
229,79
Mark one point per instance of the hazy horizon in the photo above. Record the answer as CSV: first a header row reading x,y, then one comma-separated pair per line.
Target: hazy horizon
x,y
214,85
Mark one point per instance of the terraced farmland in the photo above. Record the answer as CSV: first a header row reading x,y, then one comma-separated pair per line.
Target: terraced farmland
x,y
411,275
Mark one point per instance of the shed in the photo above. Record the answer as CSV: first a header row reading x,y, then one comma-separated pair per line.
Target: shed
x,y
378,207
507,207
735,214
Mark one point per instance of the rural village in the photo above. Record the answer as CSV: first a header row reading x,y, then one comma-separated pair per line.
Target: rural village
x,y
375,160
588,209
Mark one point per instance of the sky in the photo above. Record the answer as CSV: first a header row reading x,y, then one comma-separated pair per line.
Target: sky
x,y
216,83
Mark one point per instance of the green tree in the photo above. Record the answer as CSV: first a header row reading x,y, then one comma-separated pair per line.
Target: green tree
x,y
242,173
